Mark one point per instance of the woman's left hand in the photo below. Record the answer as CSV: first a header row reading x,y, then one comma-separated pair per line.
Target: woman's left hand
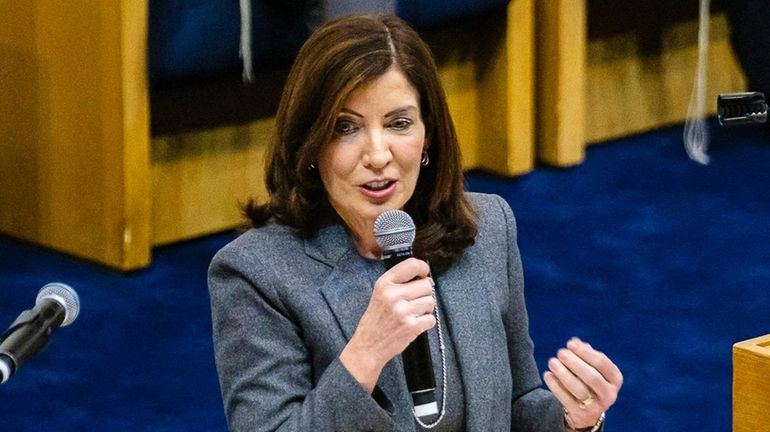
x,y
585,381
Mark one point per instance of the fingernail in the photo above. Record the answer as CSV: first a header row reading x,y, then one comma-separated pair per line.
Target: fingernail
x,y
573,342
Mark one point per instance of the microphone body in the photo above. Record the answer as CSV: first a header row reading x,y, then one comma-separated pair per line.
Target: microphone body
x,y
56,306
396,242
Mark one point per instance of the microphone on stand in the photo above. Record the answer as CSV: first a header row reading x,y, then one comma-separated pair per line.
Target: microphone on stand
x,y
56,305
394,231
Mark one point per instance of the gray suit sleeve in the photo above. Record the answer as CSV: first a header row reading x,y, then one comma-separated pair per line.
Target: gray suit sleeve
x,y
533,409
265,368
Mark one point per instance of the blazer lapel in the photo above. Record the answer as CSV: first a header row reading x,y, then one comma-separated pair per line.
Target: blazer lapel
x,y
346,289
468,317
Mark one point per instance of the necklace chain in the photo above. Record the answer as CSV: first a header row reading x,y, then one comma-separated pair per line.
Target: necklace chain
x,y
443,370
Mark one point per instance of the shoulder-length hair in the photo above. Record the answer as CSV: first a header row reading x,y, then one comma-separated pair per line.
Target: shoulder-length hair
x,y
338,58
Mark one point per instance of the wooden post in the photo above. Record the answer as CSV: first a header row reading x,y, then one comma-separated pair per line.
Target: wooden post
x,y
560,81
74,125
506,96
751,392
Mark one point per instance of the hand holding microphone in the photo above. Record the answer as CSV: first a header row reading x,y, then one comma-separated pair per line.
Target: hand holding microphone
x,y
395,232
399,310
395,322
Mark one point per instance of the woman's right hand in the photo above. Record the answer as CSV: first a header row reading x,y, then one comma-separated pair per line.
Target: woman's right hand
x,y
400,309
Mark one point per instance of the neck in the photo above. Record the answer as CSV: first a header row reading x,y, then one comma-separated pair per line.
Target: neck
x,y
367,246
361,230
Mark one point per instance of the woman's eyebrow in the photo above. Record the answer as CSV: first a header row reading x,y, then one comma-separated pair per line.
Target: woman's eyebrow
x,y
350,111
401,110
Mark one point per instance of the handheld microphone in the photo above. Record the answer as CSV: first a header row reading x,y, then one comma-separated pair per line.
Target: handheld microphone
x,y
394,231
56,305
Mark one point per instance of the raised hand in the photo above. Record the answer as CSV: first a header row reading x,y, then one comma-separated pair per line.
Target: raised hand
x,y
585,381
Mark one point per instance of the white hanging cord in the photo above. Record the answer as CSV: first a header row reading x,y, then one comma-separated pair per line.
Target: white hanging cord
x,y
245,48
696,135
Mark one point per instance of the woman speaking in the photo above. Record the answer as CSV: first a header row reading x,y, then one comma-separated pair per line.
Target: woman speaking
x,y
309,325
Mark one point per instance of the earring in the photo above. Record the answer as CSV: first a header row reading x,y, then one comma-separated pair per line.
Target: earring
x,y
311,167
425,159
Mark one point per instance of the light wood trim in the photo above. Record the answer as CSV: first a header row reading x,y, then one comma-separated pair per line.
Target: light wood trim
x,y
751,394
561,81
74,126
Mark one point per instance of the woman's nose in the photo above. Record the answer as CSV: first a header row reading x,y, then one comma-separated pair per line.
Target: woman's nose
x,y
377,150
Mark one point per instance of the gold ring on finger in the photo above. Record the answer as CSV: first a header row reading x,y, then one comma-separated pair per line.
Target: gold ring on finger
x,y
586,402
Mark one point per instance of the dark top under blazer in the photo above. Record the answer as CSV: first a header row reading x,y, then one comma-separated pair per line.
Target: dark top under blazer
x,y
283,309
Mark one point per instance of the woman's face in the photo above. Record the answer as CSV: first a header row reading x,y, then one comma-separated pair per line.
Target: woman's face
x,y
372,163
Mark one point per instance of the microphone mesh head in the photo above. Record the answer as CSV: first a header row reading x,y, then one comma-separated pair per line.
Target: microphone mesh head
x,y
394,228
65,296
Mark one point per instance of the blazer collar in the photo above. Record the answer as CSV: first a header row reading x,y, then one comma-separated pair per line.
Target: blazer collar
x,y
347,288
329,244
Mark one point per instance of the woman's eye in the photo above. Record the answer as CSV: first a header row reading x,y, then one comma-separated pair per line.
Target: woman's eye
x,y
344,127
401,124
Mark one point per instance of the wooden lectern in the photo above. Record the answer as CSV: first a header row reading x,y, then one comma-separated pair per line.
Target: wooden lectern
x,y
751,392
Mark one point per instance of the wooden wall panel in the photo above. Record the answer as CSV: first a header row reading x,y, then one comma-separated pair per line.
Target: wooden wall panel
x,y
632,89
200,179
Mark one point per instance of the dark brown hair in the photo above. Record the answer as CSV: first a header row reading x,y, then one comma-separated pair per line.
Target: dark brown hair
x,y
338,58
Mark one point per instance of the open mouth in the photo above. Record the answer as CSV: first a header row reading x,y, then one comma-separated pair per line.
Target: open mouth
x,y
376,186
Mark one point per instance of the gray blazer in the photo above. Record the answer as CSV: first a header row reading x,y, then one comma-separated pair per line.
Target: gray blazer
x,y
284,308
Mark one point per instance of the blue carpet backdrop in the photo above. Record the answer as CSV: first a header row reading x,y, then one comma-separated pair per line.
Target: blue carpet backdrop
x,y
660,262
